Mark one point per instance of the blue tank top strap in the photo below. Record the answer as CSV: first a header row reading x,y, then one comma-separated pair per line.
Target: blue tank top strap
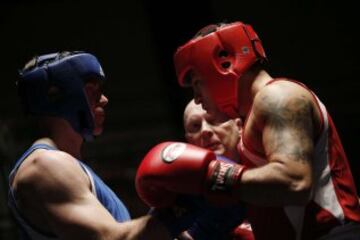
x,y
106,196
26,226
25,155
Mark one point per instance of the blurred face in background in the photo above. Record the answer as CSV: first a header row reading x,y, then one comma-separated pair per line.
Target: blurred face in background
x,y
215,132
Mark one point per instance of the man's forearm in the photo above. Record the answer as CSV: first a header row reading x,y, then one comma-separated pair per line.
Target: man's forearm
x,y
273,185
145,227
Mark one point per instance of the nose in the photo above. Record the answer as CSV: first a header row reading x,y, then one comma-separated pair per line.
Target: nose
x,y
103,100
206,131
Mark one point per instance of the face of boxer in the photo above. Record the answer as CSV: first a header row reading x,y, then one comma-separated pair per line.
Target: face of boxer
x,y
219,134
202,94
97,101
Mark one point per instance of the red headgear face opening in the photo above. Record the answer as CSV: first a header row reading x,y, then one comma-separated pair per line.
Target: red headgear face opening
x,y
220,57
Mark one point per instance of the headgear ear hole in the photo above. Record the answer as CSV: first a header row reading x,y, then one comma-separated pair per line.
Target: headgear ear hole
x,y
55,94
226,65
223,53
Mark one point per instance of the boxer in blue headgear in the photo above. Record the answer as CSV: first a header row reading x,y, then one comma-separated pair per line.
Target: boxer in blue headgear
x,y
53,194
52,83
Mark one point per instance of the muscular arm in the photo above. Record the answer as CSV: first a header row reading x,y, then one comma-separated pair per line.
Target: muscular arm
x,y
58,191
286,123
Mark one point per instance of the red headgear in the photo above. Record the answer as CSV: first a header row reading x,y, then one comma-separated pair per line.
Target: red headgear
x,y
220,58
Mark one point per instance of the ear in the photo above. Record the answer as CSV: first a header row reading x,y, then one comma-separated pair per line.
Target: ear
x,y
238,122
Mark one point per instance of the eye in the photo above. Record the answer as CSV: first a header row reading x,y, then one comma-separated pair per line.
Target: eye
x,y
188,78
98,96
95,96
197,83
193,126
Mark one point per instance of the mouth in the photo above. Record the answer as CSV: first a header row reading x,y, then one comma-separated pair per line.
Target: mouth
x,y
99,112
212,146
99,116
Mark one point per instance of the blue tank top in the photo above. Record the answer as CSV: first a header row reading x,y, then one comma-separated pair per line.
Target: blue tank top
x,y
103,193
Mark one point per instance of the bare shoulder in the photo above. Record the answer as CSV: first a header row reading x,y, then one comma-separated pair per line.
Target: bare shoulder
x,y
47,172
283,99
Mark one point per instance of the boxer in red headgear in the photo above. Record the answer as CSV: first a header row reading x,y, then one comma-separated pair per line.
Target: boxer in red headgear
x,y
293,171
222,56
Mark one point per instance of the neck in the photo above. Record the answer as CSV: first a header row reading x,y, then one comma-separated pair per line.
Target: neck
x,y
251,83
61,136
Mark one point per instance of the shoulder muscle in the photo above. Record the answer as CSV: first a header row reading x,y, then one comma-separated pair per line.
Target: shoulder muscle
x,y
51,174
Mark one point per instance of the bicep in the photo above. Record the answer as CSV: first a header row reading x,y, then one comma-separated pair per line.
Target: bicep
x,y
86,218
285,126
288,143
79,218
65,201
287,134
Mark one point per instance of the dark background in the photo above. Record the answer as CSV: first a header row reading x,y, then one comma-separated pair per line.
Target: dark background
x,y
311,41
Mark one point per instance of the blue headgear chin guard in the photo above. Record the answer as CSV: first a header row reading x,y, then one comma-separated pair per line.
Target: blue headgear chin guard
x,y
54,86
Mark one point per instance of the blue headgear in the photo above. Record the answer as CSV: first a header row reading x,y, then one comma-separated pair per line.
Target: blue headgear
x,y
66,73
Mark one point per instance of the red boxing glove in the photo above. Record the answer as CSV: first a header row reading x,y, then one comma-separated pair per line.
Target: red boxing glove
x,y
243,232
171,168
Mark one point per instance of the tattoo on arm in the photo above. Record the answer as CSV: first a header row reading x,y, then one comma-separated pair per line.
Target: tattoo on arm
x,y
290,127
